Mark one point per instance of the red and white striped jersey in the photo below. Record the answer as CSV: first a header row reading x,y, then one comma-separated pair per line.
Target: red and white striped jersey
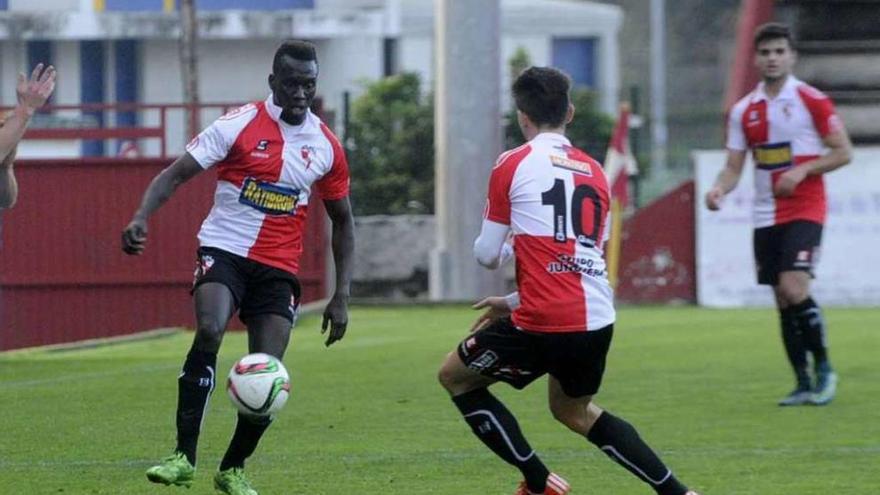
x,y
555,199
265,172
783,132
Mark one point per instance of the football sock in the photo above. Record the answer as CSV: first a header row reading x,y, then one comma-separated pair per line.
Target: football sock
x,y
248,432
621,442
496,427
793,340
812,325
194,387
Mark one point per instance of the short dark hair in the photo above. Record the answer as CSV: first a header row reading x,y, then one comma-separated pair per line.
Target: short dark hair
x,y
542,94
297,49
773,31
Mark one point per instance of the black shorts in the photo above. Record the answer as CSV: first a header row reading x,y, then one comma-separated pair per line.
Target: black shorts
x,y
792,246
518,357
257,288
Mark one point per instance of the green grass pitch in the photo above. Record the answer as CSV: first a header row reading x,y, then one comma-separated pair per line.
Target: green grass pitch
x,y
368,417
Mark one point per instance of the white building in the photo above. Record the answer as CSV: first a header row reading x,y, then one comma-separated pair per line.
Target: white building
x,y
127,50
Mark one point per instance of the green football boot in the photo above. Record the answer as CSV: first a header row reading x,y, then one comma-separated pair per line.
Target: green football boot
x,y
233,482
173,470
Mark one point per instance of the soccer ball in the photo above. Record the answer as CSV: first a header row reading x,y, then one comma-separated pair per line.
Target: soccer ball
x,y
258,385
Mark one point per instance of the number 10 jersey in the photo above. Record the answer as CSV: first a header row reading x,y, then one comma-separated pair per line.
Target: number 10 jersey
x,y
555,198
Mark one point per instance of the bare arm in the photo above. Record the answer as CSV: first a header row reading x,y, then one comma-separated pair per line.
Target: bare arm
x,y
32,94
727,179
839,155
160,189
8,184
336,312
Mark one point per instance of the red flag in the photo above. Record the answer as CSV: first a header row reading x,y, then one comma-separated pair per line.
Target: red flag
x,y
620,163
619,166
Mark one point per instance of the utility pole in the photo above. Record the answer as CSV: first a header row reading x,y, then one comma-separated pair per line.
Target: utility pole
x,y
467,138
189,66
659,131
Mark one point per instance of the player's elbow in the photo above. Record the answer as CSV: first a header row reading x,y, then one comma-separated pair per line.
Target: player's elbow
x,y
845,155
487,261
485,256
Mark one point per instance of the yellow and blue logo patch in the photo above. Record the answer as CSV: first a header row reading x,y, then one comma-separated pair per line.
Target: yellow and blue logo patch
x,y
269,198
773,156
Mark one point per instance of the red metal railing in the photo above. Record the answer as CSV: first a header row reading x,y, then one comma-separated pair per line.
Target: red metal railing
x,y
63,276
159,131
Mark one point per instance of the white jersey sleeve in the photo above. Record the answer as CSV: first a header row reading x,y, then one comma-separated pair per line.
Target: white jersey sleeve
x,y
490,248
213,144
736,137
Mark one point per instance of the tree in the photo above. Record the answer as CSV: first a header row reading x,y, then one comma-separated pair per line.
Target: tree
x,y
391,148
590,130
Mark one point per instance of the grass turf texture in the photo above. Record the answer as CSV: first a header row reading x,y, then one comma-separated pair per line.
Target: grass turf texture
x,y
367,416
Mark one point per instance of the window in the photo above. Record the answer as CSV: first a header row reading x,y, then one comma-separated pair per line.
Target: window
x,y
577,57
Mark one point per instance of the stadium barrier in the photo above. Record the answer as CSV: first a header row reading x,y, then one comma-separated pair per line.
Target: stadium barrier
x,y
847,272
657,253
63,276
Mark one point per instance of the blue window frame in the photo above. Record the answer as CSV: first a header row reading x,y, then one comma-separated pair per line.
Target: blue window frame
x,y
577,57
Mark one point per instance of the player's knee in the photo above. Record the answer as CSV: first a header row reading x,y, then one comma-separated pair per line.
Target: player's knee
x,y
446,377
573,416
209,333
450,378
792,293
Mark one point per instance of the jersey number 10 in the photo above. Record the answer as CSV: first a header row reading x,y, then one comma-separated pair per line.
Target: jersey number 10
x,y
556,197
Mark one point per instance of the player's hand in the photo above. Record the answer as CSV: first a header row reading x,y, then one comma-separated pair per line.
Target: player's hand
x,y
32,93
713,198
336,318
789,180
497,309
134,237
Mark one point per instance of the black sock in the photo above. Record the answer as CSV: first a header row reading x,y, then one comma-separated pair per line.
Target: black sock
x,y
194,387
621,442
496,427
812,324
248,432
793,340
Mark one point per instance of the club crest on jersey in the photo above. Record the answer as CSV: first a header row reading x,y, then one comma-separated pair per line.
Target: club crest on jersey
x,y
786,110
306,152
269,198
773,156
